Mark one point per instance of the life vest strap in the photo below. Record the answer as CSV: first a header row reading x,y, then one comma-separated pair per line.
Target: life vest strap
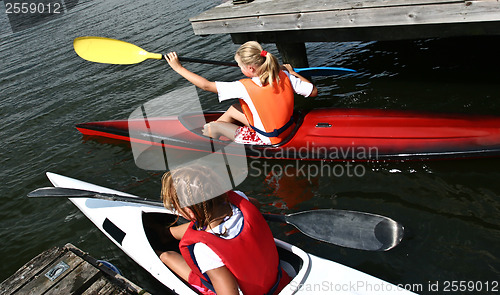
x,y
275,132
276,285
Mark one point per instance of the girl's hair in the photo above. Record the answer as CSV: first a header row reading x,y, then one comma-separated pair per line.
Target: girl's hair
x,y
195,188
268,67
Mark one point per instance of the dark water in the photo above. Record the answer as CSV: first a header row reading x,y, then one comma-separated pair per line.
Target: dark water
x,y
451,209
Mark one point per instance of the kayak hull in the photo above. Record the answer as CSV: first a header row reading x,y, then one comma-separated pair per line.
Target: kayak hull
x,y
328,134
128,226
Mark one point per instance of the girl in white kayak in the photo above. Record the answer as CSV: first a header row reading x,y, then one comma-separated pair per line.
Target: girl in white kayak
x,y
264,115
227,248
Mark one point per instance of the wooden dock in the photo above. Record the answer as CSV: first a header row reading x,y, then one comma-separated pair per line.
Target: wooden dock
x,y
68,271
290,23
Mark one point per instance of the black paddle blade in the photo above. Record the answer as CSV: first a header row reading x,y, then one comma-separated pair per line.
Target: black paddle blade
x,y
61,192
55,192
350,229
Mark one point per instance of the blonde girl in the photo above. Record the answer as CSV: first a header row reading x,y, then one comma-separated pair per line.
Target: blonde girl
x,y
227,248
264,114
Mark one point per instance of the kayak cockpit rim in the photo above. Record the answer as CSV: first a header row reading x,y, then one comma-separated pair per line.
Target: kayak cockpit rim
x,y
295,261
184,119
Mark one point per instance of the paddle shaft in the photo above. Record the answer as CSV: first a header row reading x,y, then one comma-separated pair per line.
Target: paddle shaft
x,y
315,71
112,51
56,192
208,61
357,230
275,217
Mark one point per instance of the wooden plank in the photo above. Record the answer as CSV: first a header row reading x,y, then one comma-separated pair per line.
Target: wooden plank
x,y
274,7
39,284
126,286
76,281
104,287
100,287
68,271
34,267
447,12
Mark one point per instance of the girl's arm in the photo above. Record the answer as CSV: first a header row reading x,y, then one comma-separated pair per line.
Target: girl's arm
x,y
179,230
223,281
290,70
255,202
197,80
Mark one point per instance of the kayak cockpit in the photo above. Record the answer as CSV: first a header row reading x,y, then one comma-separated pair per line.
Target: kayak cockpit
x,y
194,122
293,260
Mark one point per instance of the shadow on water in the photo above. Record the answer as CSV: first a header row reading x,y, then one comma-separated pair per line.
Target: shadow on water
x,y
441,75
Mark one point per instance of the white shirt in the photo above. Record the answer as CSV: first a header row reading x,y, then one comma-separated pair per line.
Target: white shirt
x,y
206,258
236,89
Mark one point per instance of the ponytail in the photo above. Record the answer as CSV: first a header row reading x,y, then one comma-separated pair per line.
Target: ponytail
x,y
268,67
195,187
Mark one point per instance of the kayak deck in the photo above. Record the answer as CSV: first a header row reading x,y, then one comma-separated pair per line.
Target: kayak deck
x,y
328,134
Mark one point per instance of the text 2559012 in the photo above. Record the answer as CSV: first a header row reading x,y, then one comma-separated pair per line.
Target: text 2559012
x,y
33,8
470,286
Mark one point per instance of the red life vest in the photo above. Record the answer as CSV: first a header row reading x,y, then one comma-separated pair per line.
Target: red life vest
x,y
274,105
251,256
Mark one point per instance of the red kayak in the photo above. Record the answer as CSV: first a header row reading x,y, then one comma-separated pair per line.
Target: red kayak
x,y
328,134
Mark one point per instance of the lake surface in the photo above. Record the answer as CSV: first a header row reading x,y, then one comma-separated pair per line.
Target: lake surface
x,y
450,209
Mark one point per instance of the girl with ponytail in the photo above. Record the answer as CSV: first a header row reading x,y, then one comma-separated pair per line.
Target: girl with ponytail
x,y
265,112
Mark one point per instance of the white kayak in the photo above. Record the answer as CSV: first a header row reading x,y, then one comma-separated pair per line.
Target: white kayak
x,y
134,228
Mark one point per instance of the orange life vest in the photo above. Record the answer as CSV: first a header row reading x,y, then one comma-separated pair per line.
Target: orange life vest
x,y
274,105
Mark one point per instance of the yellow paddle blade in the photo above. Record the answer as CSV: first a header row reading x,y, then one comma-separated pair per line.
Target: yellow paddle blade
x,y
111,51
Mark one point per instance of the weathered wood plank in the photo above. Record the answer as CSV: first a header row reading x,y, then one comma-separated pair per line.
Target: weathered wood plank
x,y
34,267
273,7
104,287
394,16
76,281
40,283
76,273
100,287
123,283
